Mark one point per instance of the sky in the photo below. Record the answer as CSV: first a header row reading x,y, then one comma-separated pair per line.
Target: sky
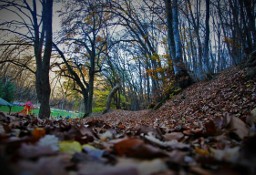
x,y
7,15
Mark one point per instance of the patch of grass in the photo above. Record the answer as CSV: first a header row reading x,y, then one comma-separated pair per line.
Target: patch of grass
x,y
54,112
58,112
97,109
14,109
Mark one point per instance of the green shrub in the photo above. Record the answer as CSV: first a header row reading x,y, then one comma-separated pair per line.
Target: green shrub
x,y
7,90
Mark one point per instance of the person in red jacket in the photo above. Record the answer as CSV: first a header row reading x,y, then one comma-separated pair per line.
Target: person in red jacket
x,y
28,107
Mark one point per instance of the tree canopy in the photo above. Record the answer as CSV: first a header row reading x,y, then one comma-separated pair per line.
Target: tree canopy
x,y
148,47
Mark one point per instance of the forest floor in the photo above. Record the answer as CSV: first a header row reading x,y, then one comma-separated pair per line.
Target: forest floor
x,y
207,129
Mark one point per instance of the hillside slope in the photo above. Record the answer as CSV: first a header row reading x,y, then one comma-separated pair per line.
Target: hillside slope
x,y
227,94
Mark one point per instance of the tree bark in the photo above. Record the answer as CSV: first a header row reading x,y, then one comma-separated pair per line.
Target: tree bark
x,y
249,7
171,47
85,96
206,41
182,77
44,111
177,60
198,68
37,51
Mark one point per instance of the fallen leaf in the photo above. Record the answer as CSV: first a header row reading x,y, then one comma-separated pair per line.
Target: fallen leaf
x,y
251,119
227,154
203,152
49,140
210,128
96,168
34,151
2,130
144,129
85,131
82,157
94,152
173,136
126,147
177,156
238,127
174,144
124,167
37,133
121,126
133,147
144,167
70,147
86,135
45,165
253,112
106,135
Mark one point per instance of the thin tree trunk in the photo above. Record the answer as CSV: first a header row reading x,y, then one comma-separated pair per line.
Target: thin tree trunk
x,y
171,47
206,41
44,111
177,60
90,93
85,96
91,79
183,79
251,22
110,96
38,52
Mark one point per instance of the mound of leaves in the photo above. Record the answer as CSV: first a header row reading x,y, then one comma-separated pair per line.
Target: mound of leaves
x,y
207,129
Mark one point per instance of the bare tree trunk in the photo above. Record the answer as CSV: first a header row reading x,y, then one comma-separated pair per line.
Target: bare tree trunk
x,y
38,53
177,60
86,99
110,96
251,21
44,111
206,41
183,79
171,47
90,92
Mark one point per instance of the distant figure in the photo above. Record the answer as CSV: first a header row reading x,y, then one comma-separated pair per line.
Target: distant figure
x,y
27,109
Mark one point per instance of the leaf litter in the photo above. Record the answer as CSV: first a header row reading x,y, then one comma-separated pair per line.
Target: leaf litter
x,y
209,128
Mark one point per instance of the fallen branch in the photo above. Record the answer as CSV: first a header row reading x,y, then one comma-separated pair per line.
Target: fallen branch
x,y
110,96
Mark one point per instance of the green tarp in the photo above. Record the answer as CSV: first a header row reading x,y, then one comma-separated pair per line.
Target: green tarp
x,y
5,103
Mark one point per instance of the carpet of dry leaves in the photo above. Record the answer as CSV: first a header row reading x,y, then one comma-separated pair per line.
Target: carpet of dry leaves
x,y
207,129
